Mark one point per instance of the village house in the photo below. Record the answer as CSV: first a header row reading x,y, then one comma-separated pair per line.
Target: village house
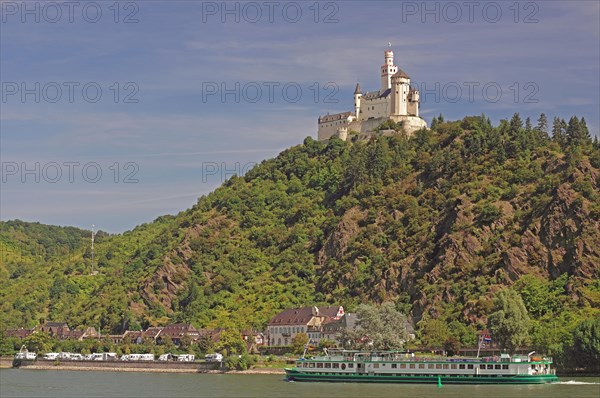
x,y
288,323
176,331
18,333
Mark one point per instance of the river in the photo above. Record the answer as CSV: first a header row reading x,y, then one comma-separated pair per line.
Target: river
x,y
64,384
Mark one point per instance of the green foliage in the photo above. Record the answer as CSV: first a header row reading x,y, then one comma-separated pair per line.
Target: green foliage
x,y
509,323
298,343
434,333
586,344
379,327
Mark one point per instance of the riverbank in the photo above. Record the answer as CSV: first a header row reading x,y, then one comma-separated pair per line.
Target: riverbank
x,y
147,367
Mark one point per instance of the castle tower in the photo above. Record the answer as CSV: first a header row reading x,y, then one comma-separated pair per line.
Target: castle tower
x,y
357,96
400,91
388,69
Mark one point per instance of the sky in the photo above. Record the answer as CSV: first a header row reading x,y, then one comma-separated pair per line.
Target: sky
x,y
115,113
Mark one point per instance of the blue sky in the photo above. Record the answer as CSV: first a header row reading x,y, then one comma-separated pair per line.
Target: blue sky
x,y
172,141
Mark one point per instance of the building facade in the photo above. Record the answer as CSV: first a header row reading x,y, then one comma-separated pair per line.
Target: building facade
x,y
310,320
396,100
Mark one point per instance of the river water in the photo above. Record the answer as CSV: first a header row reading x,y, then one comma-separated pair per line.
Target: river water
x,y
64,384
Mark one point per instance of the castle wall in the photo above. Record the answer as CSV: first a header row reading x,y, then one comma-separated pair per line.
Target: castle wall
x,y
374,108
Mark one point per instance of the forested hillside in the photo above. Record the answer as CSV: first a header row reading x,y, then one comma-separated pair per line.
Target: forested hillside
x,y
438,224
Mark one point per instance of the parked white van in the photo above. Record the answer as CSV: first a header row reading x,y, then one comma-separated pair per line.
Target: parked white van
x,y
51,356
213,357
186,358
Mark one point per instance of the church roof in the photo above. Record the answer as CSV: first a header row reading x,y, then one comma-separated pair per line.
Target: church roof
x,y
357,90
401,73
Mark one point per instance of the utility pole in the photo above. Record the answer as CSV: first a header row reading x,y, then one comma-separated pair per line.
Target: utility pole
x,y
93,234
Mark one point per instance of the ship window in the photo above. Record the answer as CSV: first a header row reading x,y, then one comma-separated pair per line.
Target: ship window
x,y
497,367
446,366
453,366
304,365
481,366
328,365
490,366
461,366
320,365
311,365
421,366
376,365
336,365
394,366
469,366
430,366
438,365
350,365
504,366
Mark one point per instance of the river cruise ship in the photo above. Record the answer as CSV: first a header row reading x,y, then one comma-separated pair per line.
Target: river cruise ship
x,y
399,367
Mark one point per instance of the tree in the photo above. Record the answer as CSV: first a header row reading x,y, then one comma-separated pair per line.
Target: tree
x,y
298,343
38,342
451,346
586,343
433,332
231,342
542,125
509,323
378,327
559,131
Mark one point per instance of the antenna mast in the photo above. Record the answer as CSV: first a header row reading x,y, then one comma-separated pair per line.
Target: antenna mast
x,y
93,234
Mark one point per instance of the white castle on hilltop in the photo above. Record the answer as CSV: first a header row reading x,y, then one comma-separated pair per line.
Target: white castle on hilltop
x,y
395,101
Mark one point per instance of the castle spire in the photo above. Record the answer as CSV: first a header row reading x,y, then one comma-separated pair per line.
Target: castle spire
x,y
357,90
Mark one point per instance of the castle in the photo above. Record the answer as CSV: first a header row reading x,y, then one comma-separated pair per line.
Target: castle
x,y
395,101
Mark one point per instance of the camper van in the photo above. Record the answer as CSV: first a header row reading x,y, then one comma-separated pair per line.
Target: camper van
x,y
51,356
186,358
104,356
26,355
213,358
166,357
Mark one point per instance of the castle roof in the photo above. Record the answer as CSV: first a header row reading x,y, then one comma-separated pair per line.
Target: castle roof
x,y
357,90
376,94
401,73
336,116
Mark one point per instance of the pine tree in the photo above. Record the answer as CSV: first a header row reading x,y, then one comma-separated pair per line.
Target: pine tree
x,y
542,126
573,131
528,127
557,131
515,125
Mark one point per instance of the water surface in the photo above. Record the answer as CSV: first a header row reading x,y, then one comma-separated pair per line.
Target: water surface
x,y
59,384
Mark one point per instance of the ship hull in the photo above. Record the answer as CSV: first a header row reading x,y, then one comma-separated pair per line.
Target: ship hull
x,y
295,375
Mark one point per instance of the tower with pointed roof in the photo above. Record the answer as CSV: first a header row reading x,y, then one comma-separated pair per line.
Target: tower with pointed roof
x,y
396,100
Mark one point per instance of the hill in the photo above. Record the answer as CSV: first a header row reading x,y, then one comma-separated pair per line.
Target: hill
x,y
437,223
